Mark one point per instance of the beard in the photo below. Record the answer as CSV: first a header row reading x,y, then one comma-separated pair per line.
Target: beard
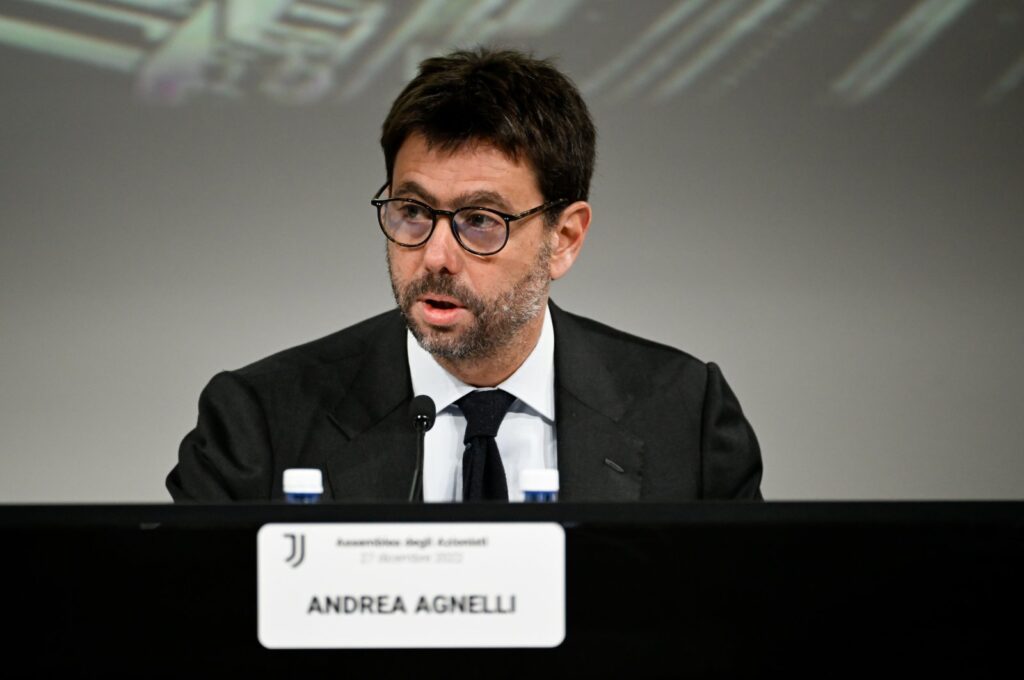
x,y
496,322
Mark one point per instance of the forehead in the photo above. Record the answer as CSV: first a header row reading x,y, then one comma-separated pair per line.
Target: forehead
x,y
475,165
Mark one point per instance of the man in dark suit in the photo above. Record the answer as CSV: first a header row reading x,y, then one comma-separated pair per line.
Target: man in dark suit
x,y
489,157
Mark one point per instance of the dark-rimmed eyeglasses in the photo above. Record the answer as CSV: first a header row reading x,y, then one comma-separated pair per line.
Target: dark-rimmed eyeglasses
x,y
482,231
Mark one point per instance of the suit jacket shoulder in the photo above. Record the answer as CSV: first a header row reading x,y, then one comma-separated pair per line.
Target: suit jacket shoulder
x,y
639,420
294,408
341,347
637,363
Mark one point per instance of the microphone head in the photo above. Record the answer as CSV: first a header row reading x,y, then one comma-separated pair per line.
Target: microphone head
x,y
423,412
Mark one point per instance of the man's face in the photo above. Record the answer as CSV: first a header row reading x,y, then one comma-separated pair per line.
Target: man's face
x,y
458,305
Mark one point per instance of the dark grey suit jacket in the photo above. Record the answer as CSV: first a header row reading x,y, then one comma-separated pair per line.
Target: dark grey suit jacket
x,y
635,420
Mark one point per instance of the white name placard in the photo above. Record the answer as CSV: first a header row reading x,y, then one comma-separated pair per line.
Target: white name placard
x,y
410,585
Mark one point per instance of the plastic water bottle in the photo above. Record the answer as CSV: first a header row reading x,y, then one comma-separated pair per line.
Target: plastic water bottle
x,y
303,485
539,486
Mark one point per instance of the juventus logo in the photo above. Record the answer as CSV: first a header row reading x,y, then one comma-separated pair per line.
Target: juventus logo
x,y
297,545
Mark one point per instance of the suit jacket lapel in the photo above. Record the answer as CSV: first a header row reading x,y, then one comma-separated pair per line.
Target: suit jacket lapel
x,y
588,408
377,459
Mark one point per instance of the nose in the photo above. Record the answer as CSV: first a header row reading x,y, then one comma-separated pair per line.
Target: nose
x,y
442,253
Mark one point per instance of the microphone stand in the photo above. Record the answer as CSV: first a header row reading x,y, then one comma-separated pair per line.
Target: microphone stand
x,y
422,423
423,412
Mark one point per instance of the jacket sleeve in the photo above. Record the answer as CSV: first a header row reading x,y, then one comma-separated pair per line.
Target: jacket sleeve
x,y
730,455
227,457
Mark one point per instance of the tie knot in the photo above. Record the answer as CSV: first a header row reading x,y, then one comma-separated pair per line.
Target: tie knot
x,y
484,411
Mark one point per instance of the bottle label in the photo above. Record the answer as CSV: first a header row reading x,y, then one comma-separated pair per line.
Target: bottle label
x,y
301,498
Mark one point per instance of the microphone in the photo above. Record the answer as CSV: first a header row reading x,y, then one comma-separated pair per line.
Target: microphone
x,y
423,412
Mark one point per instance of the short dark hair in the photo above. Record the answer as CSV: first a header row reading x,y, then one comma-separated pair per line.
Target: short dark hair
x,y
523,106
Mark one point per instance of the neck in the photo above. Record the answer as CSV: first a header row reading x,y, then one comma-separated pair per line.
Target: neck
x,y
490,371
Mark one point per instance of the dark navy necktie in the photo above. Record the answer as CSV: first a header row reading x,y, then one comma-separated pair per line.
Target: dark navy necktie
x,y
483,475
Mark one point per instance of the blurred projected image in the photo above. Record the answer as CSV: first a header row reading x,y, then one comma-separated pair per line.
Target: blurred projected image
x,y
293,51
311,51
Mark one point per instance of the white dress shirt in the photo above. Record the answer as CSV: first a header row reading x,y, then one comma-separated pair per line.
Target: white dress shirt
x,y
526,438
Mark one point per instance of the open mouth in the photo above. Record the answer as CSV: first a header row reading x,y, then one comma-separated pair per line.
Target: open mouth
x,y
440,310
435,303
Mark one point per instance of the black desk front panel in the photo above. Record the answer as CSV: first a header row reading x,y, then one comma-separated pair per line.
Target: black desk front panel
x,y
700,590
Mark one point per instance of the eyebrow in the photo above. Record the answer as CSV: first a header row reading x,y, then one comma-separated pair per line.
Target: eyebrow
x,y
482,198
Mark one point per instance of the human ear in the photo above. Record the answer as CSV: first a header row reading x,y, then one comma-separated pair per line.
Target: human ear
x,y
567,236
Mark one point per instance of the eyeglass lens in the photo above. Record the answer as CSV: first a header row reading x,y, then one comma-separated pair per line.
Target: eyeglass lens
x,y
409,224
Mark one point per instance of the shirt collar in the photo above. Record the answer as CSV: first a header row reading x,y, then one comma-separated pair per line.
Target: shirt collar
x,y
533,383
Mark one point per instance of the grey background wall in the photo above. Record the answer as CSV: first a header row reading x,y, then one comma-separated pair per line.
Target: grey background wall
x,y
823,197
